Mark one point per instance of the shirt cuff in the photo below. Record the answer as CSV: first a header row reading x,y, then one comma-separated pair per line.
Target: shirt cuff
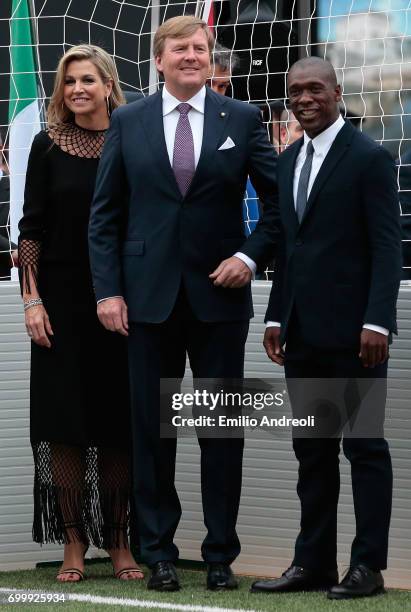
x,y
273,324
109,298
248,262
376,328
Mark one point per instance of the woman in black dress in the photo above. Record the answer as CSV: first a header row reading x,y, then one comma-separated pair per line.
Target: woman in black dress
x,y
79,405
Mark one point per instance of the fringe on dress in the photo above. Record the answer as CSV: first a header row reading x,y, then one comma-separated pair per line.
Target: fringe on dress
x,y
81,495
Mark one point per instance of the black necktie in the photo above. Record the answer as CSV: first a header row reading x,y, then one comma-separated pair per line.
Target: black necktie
x,y
303,181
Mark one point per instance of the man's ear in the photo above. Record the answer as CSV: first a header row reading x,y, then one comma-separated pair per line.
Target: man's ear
x,y
158,63
338,93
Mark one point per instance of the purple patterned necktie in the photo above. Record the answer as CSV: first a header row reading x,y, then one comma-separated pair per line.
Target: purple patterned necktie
x,y
183,154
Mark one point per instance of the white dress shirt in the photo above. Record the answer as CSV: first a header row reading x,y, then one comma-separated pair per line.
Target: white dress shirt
x,y
322,144
195,116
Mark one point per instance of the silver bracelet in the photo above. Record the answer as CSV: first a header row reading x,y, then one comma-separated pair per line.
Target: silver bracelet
x,y
31,303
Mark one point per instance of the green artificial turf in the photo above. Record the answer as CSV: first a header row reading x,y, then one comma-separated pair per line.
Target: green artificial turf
x,y
100,582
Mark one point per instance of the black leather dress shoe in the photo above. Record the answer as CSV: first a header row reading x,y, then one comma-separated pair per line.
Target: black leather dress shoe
x,y
296,579
220,577
360,581
163,577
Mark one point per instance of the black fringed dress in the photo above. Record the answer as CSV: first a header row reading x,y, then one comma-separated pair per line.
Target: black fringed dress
x,y
79,402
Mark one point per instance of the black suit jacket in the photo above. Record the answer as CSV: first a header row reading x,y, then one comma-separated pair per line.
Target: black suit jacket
x,y
146,248
405,200
341,267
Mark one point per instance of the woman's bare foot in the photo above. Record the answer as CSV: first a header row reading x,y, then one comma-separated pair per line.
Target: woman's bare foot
x,y
124,565
73,560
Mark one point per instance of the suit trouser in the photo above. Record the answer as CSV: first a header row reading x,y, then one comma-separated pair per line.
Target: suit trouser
x,y
159,351
319,478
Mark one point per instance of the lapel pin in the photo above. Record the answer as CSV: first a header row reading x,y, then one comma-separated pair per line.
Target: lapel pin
x,y
222,114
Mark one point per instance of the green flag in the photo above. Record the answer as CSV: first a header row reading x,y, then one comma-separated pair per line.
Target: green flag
x,y
23,106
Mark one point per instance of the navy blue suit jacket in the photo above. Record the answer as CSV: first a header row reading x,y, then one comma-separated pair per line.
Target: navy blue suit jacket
x,y
145,238
341,267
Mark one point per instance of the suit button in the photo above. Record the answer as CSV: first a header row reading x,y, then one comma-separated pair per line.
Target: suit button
x,y
299,242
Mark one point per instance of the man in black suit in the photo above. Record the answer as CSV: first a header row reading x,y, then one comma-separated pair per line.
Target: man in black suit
x,y
333,304
405,200
181,269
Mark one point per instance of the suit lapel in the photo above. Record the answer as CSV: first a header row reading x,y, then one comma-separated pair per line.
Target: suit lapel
x,y
289,182
152,120
215,121
337,150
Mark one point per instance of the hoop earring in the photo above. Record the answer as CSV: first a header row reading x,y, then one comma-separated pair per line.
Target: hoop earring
x,y
108,106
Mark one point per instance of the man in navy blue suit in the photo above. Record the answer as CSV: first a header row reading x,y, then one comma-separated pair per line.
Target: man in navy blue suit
x,y
333,305
172,270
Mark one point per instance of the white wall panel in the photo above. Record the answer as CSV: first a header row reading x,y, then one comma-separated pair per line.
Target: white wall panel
x,y
269,513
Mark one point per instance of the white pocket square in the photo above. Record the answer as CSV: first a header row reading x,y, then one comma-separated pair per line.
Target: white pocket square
x,y
228,144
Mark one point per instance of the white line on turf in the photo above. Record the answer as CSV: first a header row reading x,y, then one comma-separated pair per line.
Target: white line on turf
x,y
129,603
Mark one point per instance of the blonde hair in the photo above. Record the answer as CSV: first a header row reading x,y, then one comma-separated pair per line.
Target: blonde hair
x,y
58,112
180,27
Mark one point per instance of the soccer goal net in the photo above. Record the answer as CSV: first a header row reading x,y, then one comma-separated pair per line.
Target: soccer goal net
x,y
367,41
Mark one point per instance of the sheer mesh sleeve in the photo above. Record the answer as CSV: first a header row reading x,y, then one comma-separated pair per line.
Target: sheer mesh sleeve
x,y
32,225
29,256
